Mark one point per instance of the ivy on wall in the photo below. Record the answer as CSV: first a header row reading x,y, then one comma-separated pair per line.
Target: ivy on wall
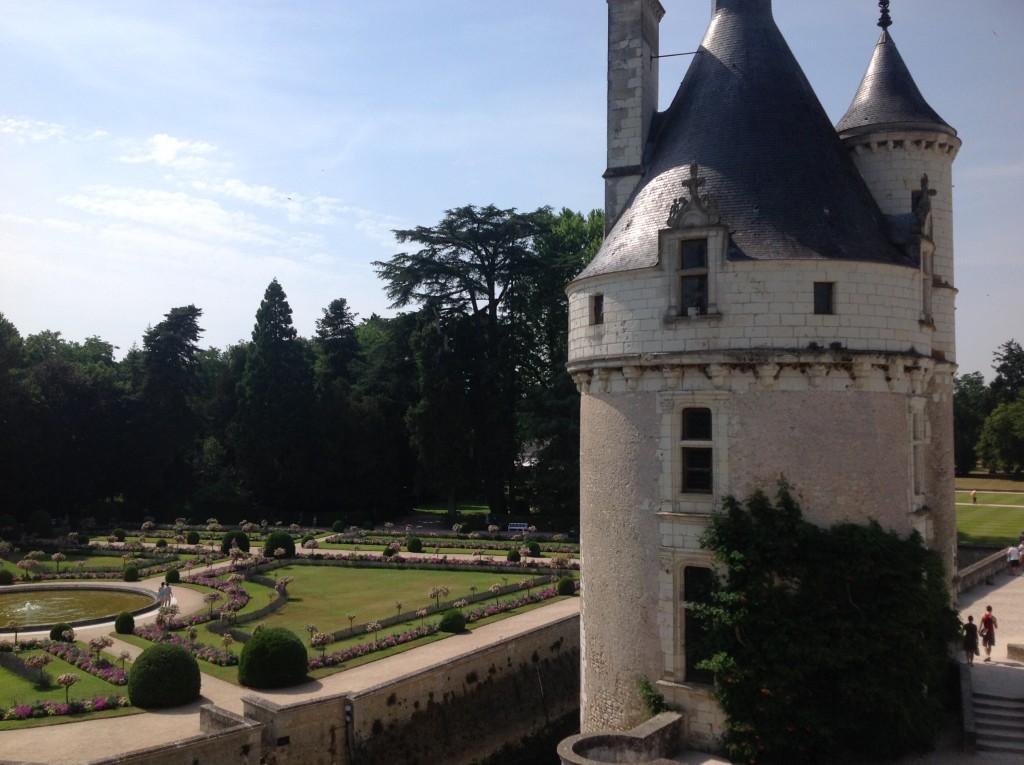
x,y
823,640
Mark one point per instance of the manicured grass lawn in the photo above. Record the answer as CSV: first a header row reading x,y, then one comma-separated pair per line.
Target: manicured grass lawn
x,y
16,690
325,595
991,498
984,482
977,524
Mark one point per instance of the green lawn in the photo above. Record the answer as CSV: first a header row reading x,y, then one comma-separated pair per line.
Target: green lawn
x,y
325,595
977,524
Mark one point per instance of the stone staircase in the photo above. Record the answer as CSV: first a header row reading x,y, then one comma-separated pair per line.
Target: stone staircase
x,y
999,724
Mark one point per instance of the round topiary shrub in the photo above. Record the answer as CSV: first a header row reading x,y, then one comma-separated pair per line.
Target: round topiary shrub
x,y
119,534
173,576
279,540
240,538
164,675
452,621
566,586
192,537
6,577
131,574
513,556
161,542
124,624
534,548
57,631
274,658
414,544
337,527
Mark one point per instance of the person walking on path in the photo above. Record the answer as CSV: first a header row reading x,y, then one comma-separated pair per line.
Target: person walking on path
x,y
1013,559
988,631
974,496
970,640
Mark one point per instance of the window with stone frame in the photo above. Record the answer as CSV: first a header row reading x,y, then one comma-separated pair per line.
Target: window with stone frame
x,y
597,309
697,589
696,451
692,275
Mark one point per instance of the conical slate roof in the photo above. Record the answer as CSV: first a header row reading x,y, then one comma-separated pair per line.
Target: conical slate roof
x,y
782,181
888,98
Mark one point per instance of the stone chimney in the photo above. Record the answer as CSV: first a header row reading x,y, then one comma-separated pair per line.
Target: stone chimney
x,y
632,96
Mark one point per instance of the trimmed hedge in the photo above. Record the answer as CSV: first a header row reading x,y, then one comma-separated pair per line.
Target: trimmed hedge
x,y
6,577
513,556
239,537
414,545
279,540
566,586
124,624
164,675
192,537
274,658
452,621
173,576
57,632
131,574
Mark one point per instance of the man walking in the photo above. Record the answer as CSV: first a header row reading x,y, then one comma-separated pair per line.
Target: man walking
x,y
988,631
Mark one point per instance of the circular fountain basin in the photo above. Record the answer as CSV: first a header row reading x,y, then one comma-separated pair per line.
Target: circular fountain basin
x,y
39,607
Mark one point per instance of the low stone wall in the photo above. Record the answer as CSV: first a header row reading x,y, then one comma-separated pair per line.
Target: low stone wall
x,y
983,570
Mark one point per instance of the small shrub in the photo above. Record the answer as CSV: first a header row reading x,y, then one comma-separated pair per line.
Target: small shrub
x,y
124,624
119,534
279,540
192,537
387,552
337,527
566,586
534,548
57,631
240,538
173,576
164,675
452,621
367,525
414,545
513,556
653,700
274,658
161,542
6,577
131,574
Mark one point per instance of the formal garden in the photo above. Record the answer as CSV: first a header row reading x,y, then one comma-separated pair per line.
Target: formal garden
x,y
330,599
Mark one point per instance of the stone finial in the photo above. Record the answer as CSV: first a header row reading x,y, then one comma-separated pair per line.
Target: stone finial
x,y
698,209
884,20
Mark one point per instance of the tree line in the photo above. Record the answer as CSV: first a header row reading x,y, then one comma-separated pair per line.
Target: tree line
x,y
988,420
462,396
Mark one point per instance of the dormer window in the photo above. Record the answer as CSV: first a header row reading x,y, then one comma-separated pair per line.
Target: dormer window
x,y
693,277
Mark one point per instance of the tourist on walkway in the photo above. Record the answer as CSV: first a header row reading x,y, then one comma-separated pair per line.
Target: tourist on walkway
x,y
1013,560
974,496
970,640
988,631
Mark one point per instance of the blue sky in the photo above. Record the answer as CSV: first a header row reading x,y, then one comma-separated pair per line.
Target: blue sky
x,y
158,154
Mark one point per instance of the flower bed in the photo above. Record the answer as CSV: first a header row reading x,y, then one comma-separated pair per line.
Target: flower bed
x,y
500,607
208,653
363,649
85,661
57,709
393,561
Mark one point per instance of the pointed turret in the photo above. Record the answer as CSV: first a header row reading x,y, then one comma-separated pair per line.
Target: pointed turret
x,y
888,98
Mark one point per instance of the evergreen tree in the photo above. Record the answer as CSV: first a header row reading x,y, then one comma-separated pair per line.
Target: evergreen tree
x,y
274,407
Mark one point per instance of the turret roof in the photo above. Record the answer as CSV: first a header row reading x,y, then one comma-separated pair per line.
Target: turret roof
x,y
888,97
780,177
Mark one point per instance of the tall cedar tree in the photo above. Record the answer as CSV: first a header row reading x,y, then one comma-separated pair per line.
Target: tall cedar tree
x,y
465,273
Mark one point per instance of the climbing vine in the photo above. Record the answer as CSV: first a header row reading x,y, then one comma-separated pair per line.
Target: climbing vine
x,y
823,640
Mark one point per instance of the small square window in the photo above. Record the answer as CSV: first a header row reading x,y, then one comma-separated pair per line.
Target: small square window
x,y
824,297
697,424
597,309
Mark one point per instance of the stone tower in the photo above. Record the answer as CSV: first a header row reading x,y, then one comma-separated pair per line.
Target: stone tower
x,y
774,297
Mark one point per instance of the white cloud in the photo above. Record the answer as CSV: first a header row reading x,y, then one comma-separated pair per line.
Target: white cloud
x,y
32,131
167,151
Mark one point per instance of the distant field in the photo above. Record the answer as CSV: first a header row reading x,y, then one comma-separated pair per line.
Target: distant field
x,y
978,524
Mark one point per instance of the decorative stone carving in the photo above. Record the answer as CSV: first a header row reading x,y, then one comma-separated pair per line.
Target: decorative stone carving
x,y
698,210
